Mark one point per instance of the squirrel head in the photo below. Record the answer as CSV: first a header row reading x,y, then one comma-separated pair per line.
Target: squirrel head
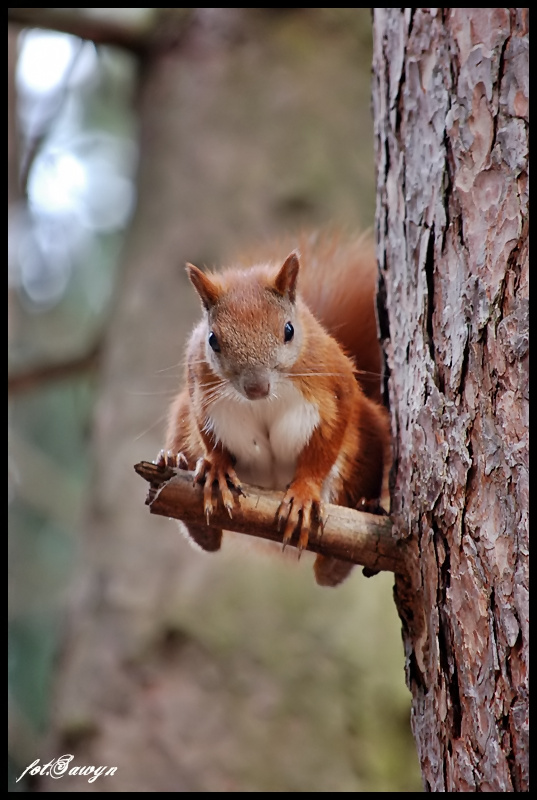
x,y
253,335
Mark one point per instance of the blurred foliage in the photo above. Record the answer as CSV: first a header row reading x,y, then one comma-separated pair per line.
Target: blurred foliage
x,y
64,277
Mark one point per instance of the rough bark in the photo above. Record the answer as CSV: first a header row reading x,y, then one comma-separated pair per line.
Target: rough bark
x,y
451,129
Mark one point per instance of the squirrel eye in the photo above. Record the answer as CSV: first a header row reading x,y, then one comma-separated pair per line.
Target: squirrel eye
x,y
288,332
214,344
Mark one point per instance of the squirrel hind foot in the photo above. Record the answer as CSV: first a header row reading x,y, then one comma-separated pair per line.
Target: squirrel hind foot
x,y
202,537
371,506
331,571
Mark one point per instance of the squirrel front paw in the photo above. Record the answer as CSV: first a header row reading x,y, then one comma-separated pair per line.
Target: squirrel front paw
x,y
167,458
167,464
301,510
217,472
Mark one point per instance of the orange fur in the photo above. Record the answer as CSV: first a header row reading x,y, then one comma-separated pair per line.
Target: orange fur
x,y
270,392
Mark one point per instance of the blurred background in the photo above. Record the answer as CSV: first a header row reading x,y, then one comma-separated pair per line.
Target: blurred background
x,y
139,139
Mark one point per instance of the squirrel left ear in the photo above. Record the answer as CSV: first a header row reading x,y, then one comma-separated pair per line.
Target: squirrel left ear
x,y
285,283
208,291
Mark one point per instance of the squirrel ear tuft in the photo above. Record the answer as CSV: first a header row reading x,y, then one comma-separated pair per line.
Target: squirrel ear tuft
x,y
286,278
206,289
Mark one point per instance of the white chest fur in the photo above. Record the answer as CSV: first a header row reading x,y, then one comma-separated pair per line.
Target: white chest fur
x,y
265,436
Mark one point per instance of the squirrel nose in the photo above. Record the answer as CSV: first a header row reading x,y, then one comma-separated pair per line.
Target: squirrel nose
x,y
255,388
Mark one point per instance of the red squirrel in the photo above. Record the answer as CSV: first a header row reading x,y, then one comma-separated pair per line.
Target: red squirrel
x,y
282,388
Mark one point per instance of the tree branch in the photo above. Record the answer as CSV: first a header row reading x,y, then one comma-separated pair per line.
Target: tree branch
x,y
99,30
138,38
350,535
32,377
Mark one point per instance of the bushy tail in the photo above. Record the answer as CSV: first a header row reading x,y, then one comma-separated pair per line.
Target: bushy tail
x,y
338,281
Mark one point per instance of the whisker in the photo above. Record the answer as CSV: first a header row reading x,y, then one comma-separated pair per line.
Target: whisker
x,y
140,393
167,369
360,372
367,373
216,393
312,374
151,427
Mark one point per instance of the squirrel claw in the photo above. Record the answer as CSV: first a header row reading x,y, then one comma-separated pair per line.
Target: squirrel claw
x,y
303,516
219,477
182,462
288,532
285,522
160,460
167,458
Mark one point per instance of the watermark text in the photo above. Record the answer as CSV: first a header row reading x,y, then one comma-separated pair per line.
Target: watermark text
x,y
59,767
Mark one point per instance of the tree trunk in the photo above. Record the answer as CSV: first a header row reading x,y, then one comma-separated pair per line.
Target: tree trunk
x,y
451,130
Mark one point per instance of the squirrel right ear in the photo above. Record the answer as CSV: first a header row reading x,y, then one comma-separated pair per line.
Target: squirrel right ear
x,y
207,290
286,278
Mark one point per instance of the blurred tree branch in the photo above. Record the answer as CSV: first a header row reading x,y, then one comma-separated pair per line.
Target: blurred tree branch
x,y
136,37
25,379
347,534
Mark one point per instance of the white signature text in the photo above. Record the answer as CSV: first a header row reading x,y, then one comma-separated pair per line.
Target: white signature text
x,y
59,767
